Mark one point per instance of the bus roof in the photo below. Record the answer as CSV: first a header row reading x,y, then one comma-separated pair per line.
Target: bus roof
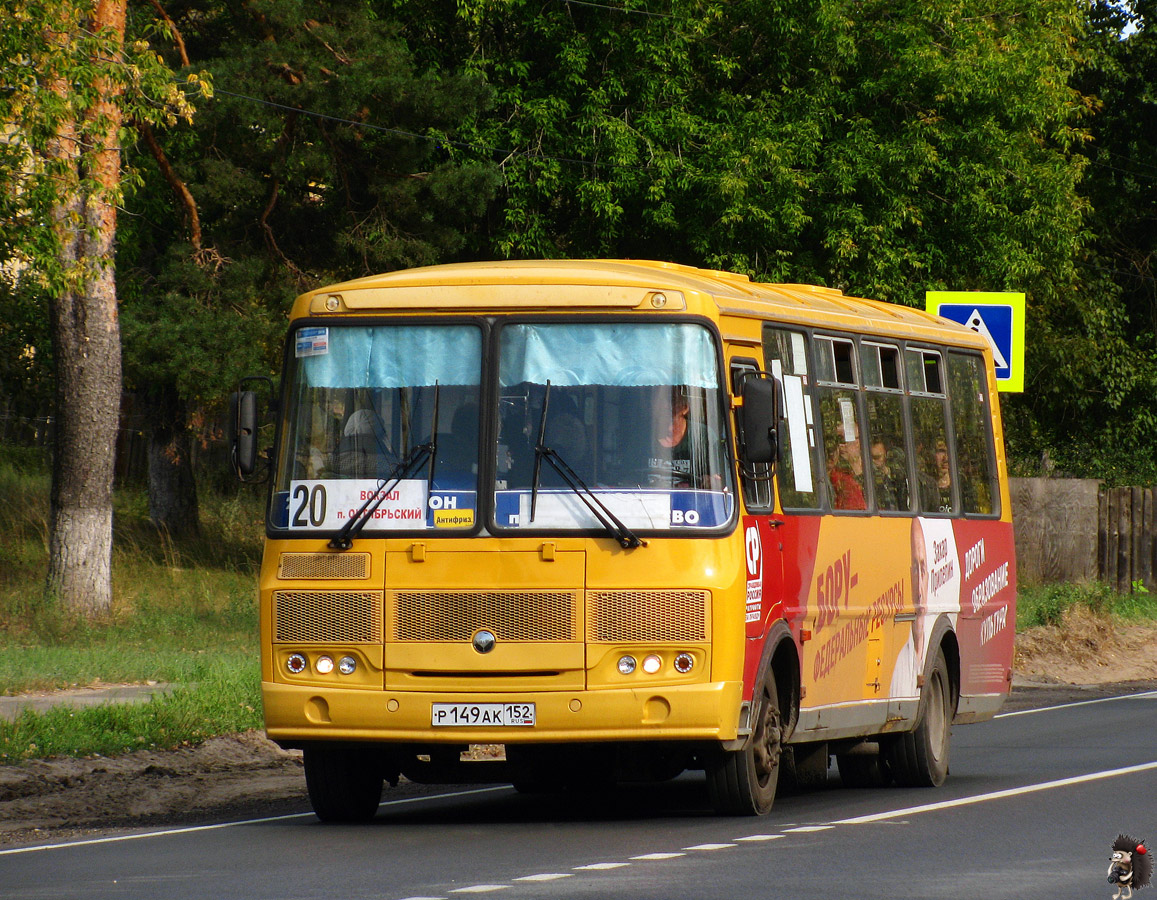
x,y
518,283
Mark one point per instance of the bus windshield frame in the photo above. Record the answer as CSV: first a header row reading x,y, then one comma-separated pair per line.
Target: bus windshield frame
x,y
361,396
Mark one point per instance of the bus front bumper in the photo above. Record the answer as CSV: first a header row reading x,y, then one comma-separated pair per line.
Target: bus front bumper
x,y
301,713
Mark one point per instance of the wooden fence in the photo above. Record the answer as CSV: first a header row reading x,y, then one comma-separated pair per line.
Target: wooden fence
x,y
1126,536
1070,529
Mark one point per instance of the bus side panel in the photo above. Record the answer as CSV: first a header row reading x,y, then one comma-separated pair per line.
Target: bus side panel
x,y
987,606
786,554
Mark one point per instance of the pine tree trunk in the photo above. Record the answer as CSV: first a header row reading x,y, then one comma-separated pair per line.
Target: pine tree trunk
x,y
86,348
172,488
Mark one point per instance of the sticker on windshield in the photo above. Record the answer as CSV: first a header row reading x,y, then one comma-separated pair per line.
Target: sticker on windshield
x,y
311,342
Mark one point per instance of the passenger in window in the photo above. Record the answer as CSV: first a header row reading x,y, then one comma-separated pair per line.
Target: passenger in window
x,y
846,474
363,450
889,474
936,484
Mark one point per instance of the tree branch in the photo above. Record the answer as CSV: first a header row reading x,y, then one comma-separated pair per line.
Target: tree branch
x,y
175,32
175,183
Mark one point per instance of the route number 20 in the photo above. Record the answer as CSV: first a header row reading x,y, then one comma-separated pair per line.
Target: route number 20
x,y
312,502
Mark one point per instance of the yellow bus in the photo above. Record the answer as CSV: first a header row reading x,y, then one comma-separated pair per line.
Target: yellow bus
x,y
625,519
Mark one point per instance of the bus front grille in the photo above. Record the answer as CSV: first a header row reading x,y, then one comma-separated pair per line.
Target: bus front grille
x,y
323,565
647,616
352,617
510,615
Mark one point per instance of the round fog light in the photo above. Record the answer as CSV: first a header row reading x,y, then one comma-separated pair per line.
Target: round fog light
x,y
684,663
627,665
324,664
346,665
295,663
652,664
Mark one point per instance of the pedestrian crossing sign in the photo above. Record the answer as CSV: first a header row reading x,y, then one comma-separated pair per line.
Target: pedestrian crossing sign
x,y
997,317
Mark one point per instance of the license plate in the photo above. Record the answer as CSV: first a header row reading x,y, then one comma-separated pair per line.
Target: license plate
x,y
482,714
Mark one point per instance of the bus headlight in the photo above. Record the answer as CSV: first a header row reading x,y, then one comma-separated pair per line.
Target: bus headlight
x,y
627,665
346,665
684,663
295,664
652,664
324,664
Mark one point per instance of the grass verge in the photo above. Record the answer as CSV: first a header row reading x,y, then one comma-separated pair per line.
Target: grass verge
x,y
1050,604
184,612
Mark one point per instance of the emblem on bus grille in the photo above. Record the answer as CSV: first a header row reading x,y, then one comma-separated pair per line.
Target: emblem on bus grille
x,y
483,641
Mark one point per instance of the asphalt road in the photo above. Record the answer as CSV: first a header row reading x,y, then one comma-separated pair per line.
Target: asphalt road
x,y
1033,802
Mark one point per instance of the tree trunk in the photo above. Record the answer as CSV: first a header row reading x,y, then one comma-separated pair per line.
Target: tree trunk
x,y
86,346
172,488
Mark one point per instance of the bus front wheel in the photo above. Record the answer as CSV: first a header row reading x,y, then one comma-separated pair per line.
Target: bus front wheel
x,y
743,782
344,784
920,757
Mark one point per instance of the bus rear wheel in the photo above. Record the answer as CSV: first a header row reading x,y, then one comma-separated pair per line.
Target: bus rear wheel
x,y
920,757
743,782
344,784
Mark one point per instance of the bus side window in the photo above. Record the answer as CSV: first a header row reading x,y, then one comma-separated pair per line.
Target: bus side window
x,y
930,431
972,424
840,415
785,356
891,479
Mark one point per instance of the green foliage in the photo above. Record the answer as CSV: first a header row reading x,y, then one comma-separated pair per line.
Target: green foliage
x,y
59,75
1047,604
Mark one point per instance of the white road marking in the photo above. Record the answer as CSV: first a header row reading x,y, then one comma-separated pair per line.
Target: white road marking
x,y
997,795
599,867
709,847
480,889
760,837
653,856
806,829
545,876
193,829
1147,695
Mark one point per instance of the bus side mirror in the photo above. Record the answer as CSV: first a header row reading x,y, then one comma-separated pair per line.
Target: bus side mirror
x,y
243,432
760,443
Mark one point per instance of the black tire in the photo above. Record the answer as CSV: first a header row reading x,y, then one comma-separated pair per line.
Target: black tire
x,y
863,770
920,757
345,785
743,782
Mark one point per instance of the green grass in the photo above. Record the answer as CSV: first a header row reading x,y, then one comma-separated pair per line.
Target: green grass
x,y
184,612
1047,604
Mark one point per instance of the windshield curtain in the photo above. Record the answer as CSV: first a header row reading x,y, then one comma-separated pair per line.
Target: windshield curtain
x,y
635,411
360,400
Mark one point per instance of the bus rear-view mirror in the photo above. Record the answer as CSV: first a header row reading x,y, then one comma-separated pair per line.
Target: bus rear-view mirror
x,y
243,432
759,420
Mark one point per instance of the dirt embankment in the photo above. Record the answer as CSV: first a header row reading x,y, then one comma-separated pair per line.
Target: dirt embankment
x,y
242,776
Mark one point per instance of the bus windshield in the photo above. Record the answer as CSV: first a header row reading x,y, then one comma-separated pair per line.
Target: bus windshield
x,y
360,400
633,409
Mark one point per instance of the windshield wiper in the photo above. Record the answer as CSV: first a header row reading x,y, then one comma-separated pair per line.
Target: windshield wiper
x,y
418,455
614,526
